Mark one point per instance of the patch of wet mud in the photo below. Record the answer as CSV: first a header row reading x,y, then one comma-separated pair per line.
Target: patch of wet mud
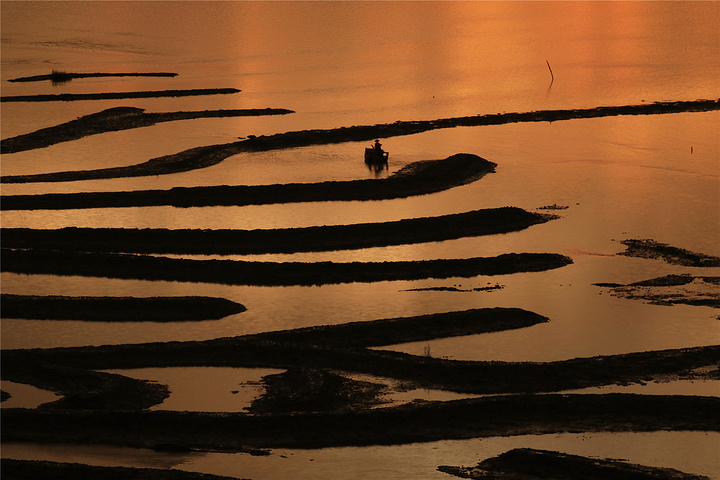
x,y
202,157
314,390
456,289
533,464
419,178
69,97
61,77
117,309
232,272
647,248
670,290
286,240
34,469
111,120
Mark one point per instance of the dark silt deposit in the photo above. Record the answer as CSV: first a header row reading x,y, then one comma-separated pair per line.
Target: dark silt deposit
x,y
304,408
286,240
533,464
33,470
661,251
313,390
113,119
230,272
117,309
671,290
69,97
419,178
60,76
479,417
202,157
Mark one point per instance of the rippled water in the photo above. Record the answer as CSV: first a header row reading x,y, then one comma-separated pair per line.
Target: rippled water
x,y
351,63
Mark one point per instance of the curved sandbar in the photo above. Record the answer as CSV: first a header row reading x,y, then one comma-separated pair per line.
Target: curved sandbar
x,y
114,119
232,272
202,157
418,178
284,240
69,97
59,76
117,309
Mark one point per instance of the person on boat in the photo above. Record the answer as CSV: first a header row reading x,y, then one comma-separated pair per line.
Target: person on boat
x,y
378,146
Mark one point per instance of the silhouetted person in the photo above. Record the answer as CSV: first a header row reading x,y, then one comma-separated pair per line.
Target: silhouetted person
x,y
378,146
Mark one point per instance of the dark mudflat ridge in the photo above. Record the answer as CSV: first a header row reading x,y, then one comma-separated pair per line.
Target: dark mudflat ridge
x,y
117,309
58,76
647,248
95,403
346,347
419,178
202,157
479,417
533,464
113,119
286,240
69,97
34,470
268,273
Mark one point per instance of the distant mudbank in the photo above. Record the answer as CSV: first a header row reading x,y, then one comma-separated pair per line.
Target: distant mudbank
x,y
35,469
113,119
647,248
117,309
532,464
415,422
285,240
69,97
202,157
418,178
59,76
268,273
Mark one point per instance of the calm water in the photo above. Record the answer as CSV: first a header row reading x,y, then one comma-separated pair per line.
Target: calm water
x,y
352,63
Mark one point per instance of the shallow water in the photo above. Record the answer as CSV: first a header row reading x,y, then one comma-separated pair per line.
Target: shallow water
x,y
25,396
352,63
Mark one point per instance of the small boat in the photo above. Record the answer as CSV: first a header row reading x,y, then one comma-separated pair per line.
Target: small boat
x,y
374,155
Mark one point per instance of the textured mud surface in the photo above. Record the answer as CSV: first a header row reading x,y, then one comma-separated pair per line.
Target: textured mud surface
x,y
33,470
532,464
419,178
285,240
117,309
69,97
201,157
661,251
110,120
671,290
